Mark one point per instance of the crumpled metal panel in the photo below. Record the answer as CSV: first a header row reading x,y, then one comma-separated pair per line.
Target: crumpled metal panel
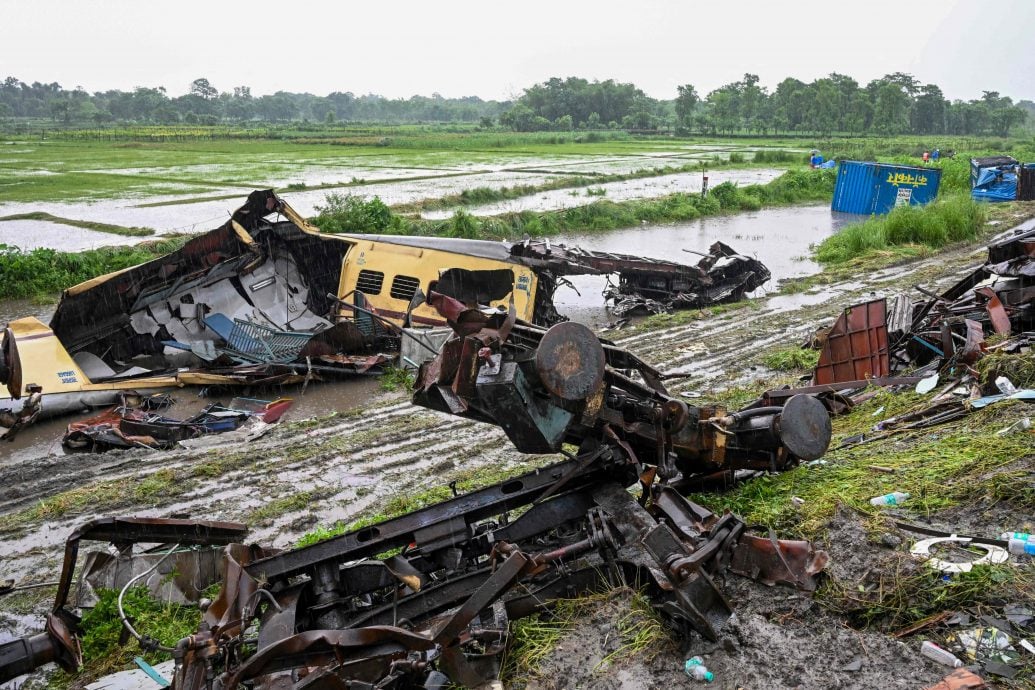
x,y
856,346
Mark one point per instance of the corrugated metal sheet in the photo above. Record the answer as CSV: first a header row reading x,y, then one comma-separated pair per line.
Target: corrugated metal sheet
x,y
876,188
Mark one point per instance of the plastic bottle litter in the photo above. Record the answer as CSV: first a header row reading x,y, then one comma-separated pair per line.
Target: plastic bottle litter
x,y
942,656
1005,385
893,499
699,672
694,661
1021,547
1020,425
1019,543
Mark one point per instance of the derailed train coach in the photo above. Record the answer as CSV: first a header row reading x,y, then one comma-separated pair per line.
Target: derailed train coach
x,y
267,298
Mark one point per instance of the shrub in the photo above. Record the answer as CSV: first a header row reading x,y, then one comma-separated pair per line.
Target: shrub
x,y
349,213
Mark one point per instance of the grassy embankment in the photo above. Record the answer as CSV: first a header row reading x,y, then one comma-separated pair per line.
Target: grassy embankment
x,y
949,468
40,273
346,214
85,224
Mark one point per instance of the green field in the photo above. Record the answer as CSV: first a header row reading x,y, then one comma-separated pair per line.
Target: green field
x,y
198,162
170,163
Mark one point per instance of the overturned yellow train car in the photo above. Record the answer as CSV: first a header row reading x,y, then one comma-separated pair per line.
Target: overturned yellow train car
x,y
164,323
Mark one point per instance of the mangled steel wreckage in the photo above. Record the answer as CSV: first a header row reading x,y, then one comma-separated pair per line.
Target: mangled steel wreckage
x,y
425,599
267,299
936,343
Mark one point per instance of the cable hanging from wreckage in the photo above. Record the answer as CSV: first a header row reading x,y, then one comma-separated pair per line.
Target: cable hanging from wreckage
x,y
425,599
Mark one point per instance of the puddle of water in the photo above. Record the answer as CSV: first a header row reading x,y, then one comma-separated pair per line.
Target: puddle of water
x,y
803,299
645,188
43,439
18,308
779,237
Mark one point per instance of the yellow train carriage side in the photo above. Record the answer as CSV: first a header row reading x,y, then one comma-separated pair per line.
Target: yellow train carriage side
x,y
388,270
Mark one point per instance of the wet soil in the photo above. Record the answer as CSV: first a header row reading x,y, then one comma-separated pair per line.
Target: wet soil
x,y
379,445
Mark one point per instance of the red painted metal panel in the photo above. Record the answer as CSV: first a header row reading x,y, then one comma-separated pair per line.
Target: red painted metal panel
x,y
857,345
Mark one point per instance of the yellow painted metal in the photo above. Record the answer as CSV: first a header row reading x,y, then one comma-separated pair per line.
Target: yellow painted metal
x,y
426,265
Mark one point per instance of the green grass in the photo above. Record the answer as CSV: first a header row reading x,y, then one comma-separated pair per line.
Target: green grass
x,y
86,224
951,219
1019,368
903,592
102,652
940,468
791,359
276,507
397,378
36,272
639,630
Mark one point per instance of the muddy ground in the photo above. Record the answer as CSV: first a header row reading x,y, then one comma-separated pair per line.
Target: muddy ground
x,y
318,471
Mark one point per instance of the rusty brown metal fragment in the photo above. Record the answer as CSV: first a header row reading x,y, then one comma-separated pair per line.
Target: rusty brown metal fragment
x,y
856,345
778,561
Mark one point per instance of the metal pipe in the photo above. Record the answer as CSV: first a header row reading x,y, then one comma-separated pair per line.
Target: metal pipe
x,y
125,620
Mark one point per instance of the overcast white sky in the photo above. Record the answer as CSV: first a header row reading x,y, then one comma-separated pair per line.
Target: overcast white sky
x,y
495,49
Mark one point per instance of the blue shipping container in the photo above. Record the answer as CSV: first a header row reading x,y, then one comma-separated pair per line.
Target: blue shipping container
x,y
876,188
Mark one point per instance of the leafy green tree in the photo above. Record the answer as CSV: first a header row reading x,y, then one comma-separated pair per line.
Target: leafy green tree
x,y
686,102
825,115
203,89
928,113
891,110
790,104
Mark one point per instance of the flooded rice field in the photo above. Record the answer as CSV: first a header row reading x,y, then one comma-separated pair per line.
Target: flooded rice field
x,y
201,216
188,198
643,188
32,234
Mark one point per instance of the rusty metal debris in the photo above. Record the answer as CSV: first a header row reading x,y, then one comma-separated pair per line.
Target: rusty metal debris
x,y
938,340
856,346
137,422
651,285
431,593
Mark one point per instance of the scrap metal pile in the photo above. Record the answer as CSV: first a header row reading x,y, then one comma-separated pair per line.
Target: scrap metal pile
x,y
653,286
938,342
136,422
953,329
425,599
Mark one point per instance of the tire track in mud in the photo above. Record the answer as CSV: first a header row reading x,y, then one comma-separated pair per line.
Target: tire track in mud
x,y
344,464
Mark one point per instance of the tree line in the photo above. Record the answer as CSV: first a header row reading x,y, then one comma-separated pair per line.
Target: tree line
x,y
205,104
894,104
